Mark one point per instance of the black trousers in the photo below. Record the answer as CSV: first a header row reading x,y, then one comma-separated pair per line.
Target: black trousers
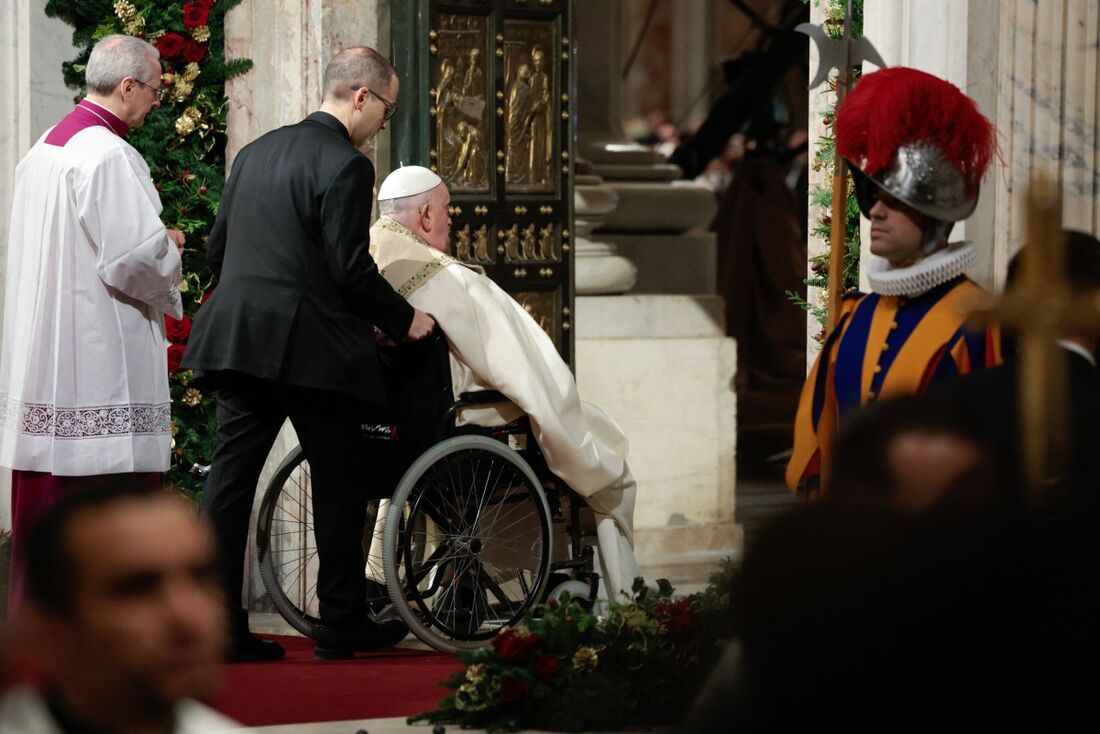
x,y
250,413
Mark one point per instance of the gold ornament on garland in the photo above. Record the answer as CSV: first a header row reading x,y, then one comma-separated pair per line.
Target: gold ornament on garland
x,y
185,125
586,659
125,10
135,27
191,72
201,33
182,89
192,397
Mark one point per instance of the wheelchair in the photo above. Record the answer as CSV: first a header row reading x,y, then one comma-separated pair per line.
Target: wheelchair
x,y
467,540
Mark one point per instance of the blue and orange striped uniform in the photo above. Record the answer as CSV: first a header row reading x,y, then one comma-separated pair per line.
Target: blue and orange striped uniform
x,y
885,346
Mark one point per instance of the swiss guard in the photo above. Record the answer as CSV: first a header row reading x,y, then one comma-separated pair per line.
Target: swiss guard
x,y
918,149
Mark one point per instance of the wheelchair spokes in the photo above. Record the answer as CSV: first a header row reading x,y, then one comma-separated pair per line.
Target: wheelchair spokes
x,y
483,522
288,548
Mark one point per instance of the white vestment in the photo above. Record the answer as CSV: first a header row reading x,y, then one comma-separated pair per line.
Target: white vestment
x,y
23,710
496,345
91,273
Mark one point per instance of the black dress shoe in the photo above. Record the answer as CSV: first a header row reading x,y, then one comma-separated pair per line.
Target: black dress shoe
x,y
251,649
344,643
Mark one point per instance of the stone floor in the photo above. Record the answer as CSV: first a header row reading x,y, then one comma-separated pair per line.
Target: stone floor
x,y
761,495
395,725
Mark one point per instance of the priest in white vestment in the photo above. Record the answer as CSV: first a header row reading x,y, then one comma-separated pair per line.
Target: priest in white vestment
x,y
496,345
91,273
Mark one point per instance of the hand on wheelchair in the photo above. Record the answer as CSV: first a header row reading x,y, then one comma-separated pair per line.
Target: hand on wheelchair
x,y
422,326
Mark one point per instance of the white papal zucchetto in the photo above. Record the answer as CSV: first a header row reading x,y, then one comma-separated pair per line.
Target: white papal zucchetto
x,y
408,181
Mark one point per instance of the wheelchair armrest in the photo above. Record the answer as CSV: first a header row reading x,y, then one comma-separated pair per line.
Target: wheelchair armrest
x,y
480,397
465,400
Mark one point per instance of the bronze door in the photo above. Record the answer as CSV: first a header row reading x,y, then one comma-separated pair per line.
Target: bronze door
x,y
486,103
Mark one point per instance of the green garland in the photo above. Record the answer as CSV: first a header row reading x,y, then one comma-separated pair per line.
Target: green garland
x,y
564,669
184,144
822,196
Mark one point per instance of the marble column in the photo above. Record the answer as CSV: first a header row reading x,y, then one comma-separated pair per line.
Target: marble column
x,y
33,97
599,267
657,359
290,42
691,59
819,102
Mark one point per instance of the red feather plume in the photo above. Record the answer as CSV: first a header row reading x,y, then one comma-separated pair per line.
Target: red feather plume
x,y
898,105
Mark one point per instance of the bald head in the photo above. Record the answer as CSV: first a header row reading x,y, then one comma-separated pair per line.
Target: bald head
x,y
357,67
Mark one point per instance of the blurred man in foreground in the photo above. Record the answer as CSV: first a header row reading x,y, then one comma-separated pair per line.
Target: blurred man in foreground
x,y
124,618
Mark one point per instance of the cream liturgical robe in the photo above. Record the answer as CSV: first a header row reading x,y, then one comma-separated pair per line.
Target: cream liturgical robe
x,y
91,273
496,345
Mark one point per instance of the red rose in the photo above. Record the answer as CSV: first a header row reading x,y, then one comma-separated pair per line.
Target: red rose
x,y
170,45
178,329
195,14
513,689
194,51
202,3
679,621
175,356
546,667
514,648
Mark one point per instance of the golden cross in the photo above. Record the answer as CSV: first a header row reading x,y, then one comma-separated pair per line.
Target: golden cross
x,y
1041,307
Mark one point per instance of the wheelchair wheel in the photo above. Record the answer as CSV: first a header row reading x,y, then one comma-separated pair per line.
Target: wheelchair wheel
x,y
467,543
288,549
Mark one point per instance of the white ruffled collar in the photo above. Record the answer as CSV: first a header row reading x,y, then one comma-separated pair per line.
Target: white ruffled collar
x,y
921,277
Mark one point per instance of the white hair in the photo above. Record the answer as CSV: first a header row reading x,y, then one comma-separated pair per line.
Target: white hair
x,y
116,57
404,205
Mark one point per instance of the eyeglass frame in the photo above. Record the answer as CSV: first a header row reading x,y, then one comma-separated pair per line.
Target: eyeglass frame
x,y
390,107
158,92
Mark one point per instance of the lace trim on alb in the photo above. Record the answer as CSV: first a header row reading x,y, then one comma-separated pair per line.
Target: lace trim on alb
x,y
99,421
936,269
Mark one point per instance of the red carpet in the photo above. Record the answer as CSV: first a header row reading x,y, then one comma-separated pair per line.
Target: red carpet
x,y
299,689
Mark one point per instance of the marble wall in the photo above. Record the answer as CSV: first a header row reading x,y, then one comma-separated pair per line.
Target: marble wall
x,y
32,98
290,42
1047,112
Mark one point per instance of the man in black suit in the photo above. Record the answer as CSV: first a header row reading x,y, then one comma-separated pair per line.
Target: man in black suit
x,y
991,397
290,333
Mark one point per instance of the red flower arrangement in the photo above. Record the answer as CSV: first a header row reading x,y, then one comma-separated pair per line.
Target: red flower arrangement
x,y
175,356
170,45
546,667
194,51
564,668
513,689
513,647
195,14
678,619
178,329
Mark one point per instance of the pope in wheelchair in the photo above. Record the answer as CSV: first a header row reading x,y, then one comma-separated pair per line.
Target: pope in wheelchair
x,y
467,540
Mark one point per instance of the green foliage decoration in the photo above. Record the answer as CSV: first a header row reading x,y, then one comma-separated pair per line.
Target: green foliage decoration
x,y
565,669
183,141
821,197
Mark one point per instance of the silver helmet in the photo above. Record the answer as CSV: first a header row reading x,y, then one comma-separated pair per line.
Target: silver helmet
x,y
920,176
